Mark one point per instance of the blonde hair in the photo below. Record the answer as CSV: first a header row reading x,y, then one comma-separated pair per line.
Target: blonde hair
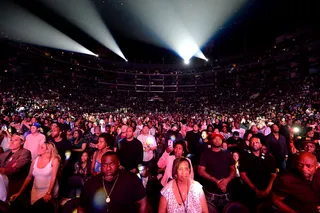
x,y
53,150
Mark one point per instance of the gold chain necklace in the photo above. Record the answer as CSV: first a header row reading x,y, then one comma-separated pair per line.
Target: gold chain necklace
x,y
105,190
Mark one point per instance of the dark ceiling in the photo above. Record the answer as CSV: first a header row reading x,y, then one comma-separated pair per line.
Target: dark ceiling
x,y
251,29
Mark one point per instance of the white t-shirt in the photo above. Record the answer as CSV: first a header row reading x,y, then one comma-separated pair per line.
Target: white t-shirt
x,y
147,141
33,143
5,143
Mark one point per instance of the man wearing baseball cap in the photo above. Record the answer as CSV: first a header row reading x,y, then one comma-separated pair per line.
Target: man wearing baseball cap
x,y
34,140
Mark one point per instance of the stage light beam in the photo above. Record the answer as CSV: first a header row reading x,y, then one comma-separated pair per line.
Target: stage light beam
x,y
83,14
23,26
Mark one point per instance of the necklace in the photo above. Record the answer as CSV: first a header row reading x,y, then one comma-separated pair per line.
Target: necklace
x,y
184,205
108,195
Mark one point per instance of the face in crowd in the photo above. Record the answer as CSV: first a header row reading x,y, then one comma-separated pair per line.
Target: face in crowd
x,y
216,141
183,170
307,165
178,150
129,133
255,144
110,166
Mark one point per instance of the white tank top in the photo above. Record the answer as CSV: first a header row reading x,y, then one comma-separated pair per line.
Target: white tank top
x,y
42,177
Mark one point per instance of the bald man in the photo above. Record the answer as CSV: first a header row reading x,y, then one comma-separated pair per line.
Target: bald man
x,y
299,190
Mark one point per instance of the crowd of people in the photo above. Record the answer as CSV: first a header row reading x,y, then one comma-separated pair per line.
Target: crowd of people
x,y
249,144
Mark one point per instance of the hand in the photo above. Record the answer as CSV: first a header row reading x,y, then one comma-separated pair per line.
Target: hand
x,y
262,194
47,197
169,149
14,197
222,184
147,149
92,145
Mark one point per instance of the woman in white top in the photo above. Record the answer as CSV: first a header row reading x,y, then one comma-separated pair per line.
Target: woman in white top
x,y
182,195
166,160
44,171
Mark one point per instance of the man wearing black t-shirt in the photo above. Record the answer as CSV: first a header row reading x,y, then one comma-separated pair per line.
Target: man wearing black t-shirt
x,y
234,141
113,191
64,147
130,152
299,190
193,138
258,171
217,167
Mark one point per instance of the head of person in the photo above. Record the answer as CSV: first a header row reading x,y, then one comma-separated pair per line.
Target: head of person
x,y
77,134
216,140
204,134
274,128
105,140
85,157
210,128
255,144
247,136
129,133
224,129
216,130
48,148
264,149
133,124
109,165
53,125
56,132
97,130
235,135
16,142
235,156
309,146
143,170
174,127
237,125
108,128
124,130
35,128
289,121
310,133
179,148
150,124
69,134
145,130
181,169
307,165
224,145
195,127
254,130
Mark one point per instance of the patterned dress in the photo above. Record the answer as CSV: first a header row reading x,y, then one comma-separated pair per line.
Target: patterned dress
x,y
192,203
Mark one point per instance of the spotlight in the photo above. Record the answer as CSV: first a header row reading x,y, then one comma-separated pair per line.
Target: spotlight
x,y
96,55
186,62
296,130
206,59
